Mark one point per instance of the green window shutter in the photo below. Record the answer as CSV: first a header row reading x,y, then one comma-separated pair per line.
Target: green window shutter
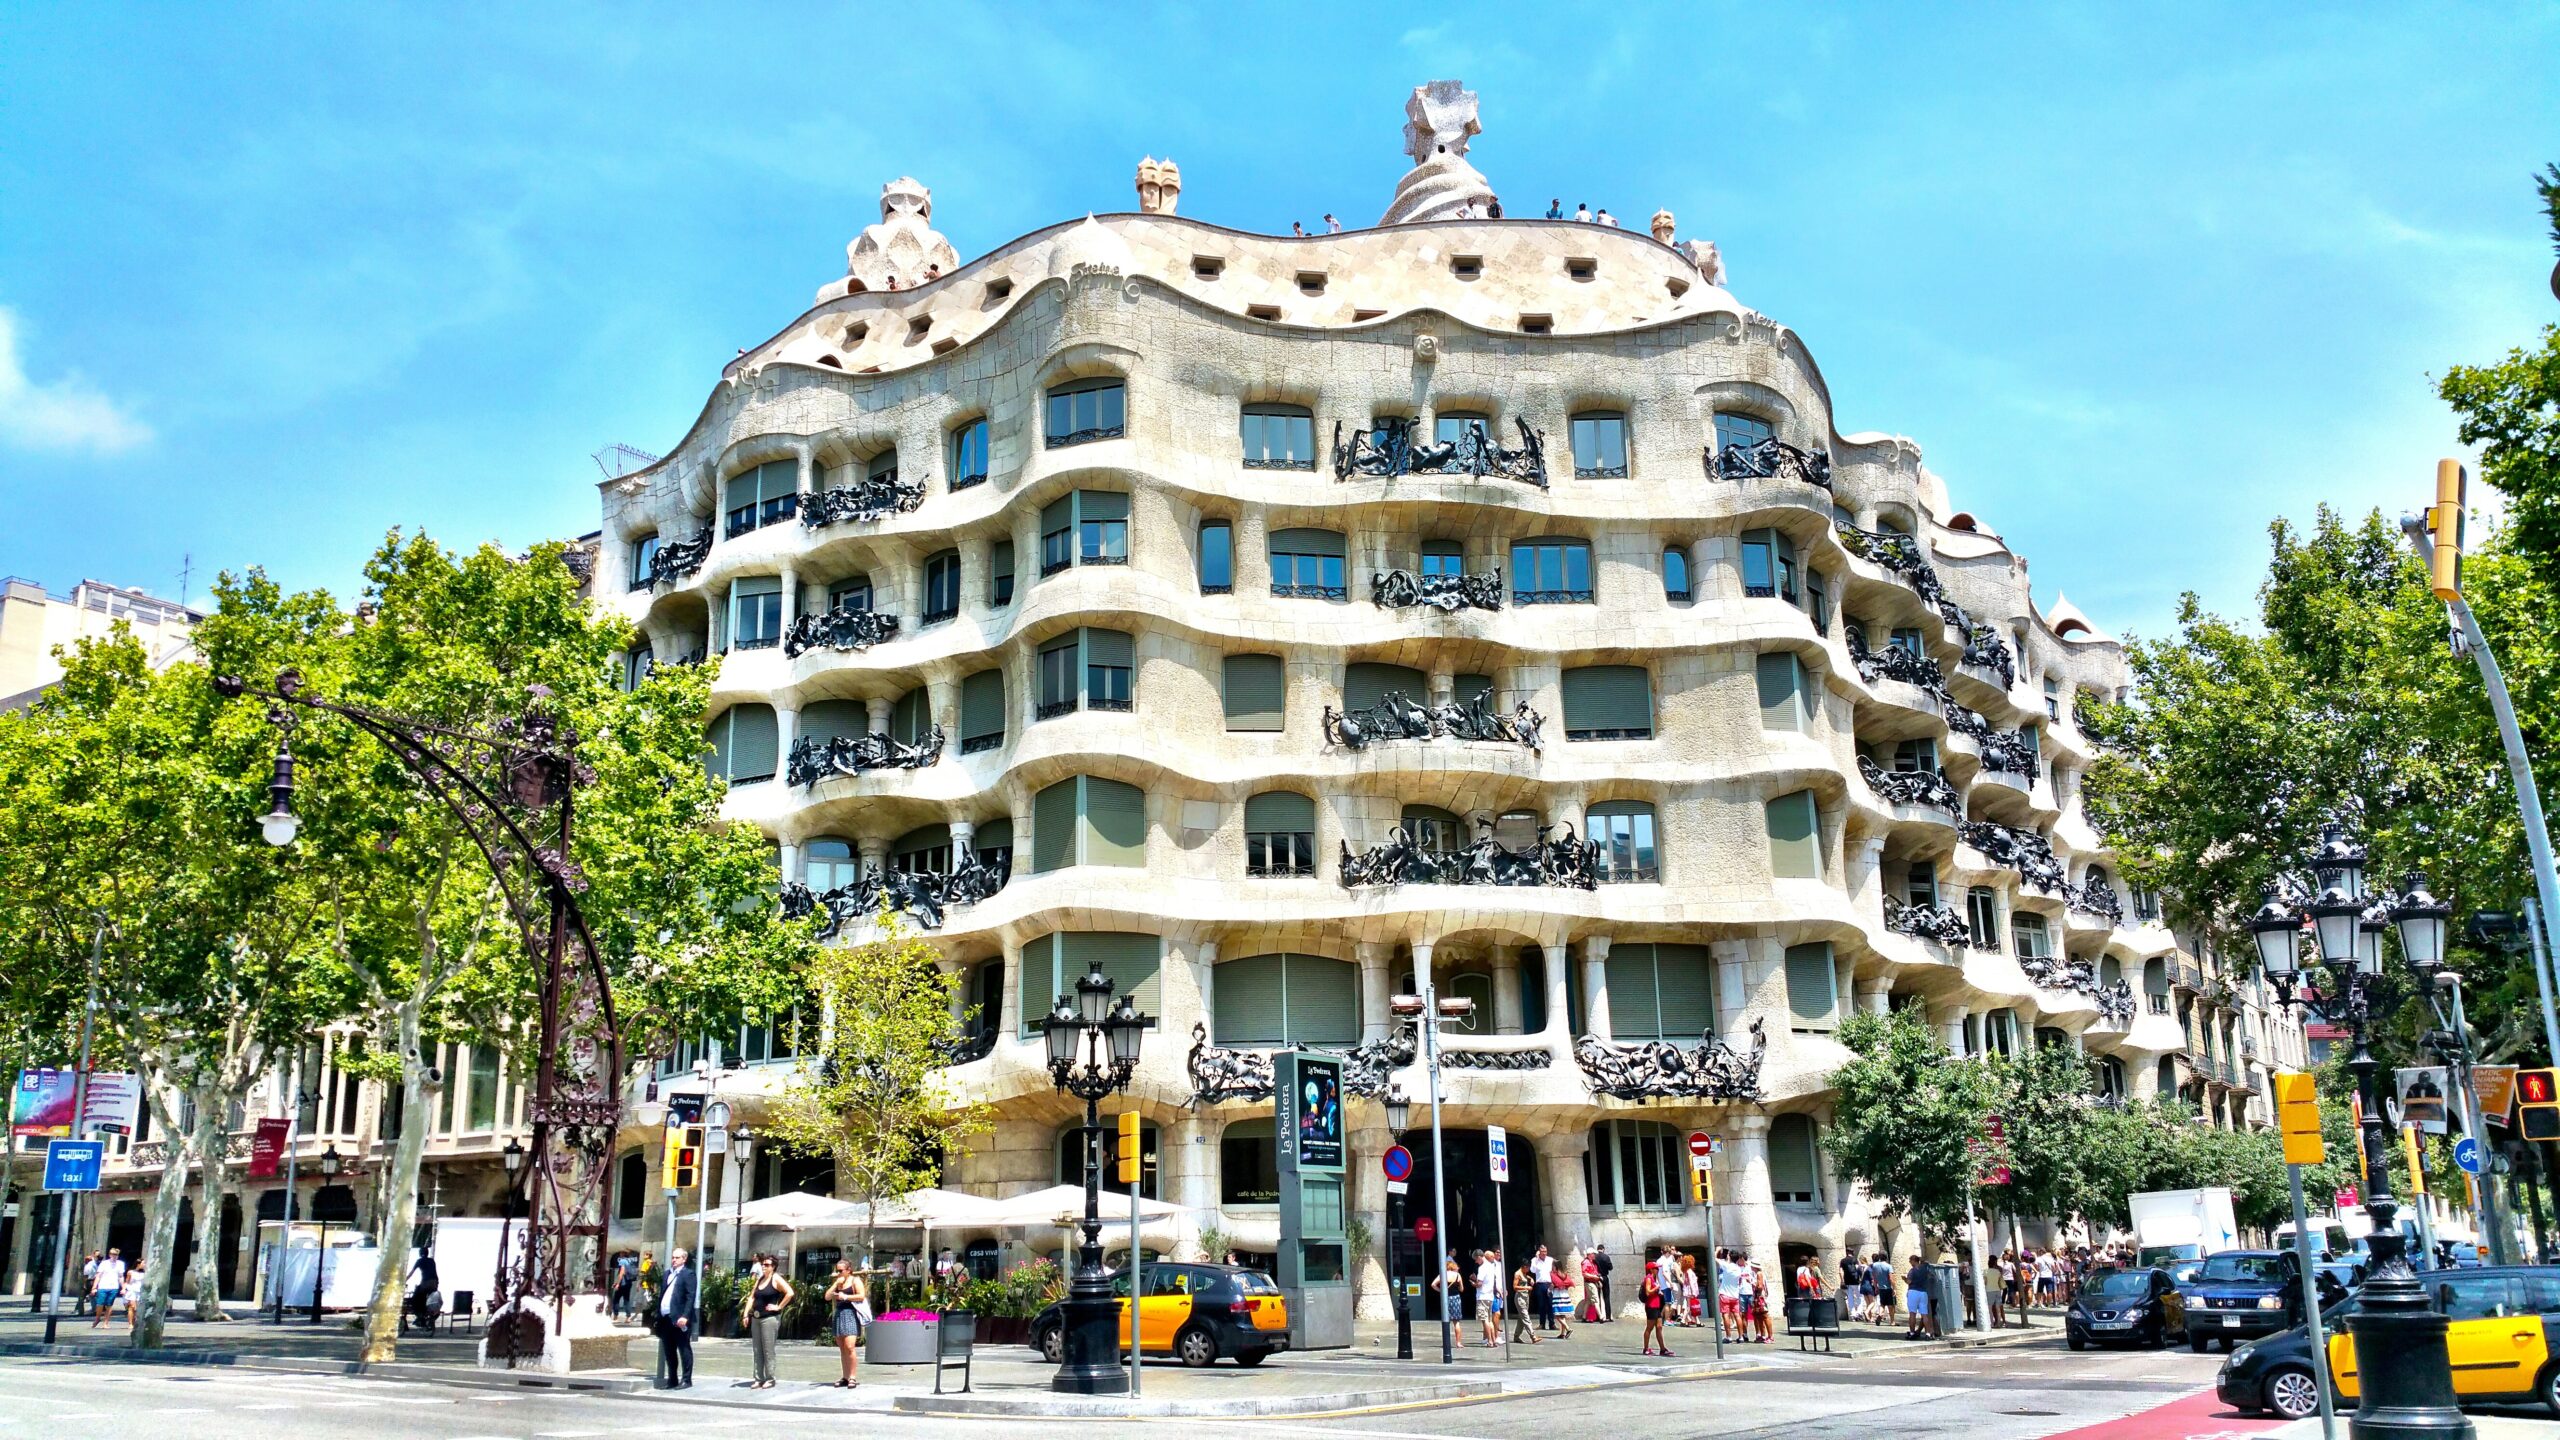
x,y
1792,1169
911,719
1116,820
982,705
1813,987
1053,827
1684,983
927,839
1255,688
1102,505
1365,683
750,586
781,477
1795,837
1130,958
1781,690
1058,514
754,742
742,490
1275,811
994,835
1607,698
1247,1002
1110,647
1306,542
1323,1000
834,720
1635,1011
1040,987
1468,687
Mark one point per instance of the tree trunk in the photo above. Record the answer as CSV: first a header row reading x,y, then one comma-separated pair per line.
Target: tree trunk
x,y
212,1105
152,1320
398,1214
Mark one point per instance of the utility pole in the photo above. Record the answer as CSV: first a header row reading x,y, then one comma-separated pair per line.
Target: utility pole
x,y
68,1210
284,1226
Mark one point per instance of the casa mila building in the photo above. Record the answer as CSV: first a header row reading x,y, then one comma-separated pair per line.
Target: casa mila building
x,y
1278,622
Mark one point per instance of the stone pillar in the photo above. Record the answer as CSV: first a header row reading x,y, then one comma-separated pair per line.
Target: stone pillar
x,y
1706,573
1193,1183
1009,1007
793,867
1204,979
1559,1026
807,483
1742,969
874,850
786,732
1568,1219
1374,959
964,836
790,597
1950,1019
1866,872
1506,991
1595,986
1749,1218
1875,996
879,708
1444,685
728,602
1367,1198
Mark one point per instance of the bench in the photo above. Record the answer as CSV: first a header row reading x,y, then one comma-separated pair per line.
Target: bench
x,y
1813,1318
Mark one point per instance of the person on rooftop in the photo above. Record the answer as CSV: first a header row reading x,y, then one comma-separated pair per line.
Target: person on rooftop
x,y
1608,219
1555,208
1582,212
1331,225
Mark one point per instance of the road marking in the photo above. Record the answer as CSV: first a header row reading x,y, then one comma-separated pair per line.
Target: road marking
x,y
566,1434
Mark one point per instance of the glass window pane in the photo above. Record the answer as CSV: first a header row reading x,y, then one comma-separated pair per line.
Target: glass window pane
x,y
1217,556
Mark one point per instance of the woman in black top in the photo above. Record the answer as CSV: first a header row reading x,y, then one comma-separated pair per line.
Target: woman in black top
x,y
851,1300
767,1294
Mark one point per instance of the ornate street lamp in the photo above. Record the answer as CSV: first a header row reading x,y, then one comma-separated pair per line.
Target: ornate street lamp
x,y
1093,1050
330,1163
2407,1375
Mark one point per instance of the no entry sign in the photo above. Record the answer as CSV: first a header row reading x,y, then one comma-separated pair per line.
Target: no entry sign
x,y
1701,1144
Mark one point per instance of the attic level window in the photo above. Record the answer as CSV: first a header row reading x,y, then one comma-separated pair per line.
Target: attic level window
x,y
1582,268
1466,267
919,325
1310,282
1359,315
856,333
1263,312
945,345
1679,287
998,289
1207,267
1537,324
831,360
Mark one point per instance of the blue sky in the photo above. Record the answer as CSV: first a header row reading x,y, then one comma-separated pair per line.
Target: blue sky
x,y
2137,277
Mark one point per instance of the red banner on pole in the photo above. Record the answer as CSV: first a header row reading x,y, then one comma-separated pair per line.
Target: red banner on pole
x,y
266,1148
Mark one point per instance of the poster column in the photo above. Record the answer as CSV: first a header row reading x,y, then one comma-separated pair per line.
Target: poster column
x,y
1315,1270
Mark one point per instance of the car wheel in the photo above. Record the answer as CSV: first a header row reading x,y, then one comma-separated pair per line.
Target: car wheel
x,y
2293,1394
1251,1358
2548,1388
1196,1347
2077,1342
2197,1342
1053,1344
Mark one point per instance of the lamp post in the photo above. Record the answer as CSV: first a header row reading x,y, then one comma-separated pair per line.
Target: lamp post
x,y
1093,1050
742,1153
330,1162
2423,935
2406,1383
1399,1111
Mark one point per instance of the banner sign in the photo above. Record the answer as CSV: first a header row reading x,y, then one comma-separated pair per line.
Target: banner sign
x,y
266,1148
2421,1091
41,1105
2496,1087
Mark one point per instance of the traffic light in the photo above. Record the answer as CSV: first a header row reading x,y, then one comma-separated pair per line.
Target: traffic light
x,y
2538,1104
1702,1185
2298,1117
1128,1147
684,1158
2444,527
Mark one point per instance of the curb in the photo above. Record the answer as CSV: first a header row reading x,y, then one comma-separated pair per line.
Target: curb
x,y
306,1365
1120,1406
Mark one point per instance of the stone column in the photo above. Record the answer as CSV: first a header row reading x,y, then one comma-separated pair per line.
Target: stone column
x,y
1506,991
1950,1019
1866,872
879,708
1568,1196
1204,979
1749,1218
1366,1197
786,732
1875,996
1443,684
874,850
793,868
807,483
790,597
1742,969
1374,959
1559,1026
728,597
1709,573
1595,986
964,835
1009,1007
1193,1181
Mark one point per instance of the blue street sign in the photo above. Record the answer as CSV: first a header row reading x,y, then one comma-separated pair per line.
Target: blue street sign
x,y
73,1164
1397,1162
2466,1153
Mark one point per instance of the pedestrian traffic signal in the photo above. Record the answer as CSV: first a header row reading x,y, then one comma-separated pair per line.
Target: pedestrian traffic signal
x,y
2538,1104
684,1157
1128,1147
2444,526
1702,1185
2298,1117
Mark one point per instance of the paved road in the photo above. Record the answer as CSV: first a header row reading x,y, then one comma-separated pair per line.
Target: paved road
x,y
2014,1393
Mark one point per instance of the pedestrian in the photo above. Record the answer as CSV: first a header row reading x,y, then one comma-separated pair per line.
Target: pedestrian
x,y
1331,225
1756,1301
1582,212
1692,1303
679,1306
851,1302
1566,1284
1924,1325
1666,1273
1493,207
1880,1279
1297,229
1808,1279
89,1280
761,1314
1467,208
1608,219
1996,1289
1601,1265
1452,1285
1854,1293
1523,1303
1489,1302
1964,1284
106,1286
131,1297
2046,1278
1654,1303
1555,208
1542,1289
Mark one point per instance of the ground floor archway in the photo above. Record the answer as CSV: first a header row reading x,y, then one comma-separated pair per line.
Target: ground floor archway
x,y
1472,1223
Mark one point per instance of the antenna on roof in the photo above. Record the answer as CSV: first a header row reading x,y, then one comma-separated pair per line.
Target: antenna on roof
x,y
186,573
617,460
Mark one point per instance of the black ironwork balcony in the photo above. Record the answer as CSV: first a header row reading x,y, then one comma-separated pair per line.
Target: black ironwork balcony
x,y
2115,1005
980,744
1983,647
2011,753
1448,594
1280,462
1463,1059
922,895
2024,851
677,559
864,501
1078,437
1911,787
1660,1070
1562,862
963,482
813,760
1893,662
940,617
755,642
1550,597
1052,709
839,630
1901,554
1395,716
1770,459
1219,1074
1629,874
1390,449
1309,592
2098,897
1280,869
1927,922
2079,977
978,1044
1121,703
1599,472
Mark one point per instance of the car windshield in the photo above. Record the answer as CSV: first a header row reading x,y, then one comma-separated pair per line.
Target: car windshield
x,y
2119,1285
1254,1282
2252,1269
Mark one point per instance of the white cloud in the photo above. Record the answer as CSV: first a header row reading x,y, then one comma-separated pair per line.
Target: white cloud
x,y
63,414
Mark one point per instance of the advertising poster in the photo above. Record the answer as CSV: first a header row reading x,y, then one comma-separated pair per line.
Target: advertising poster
x,y
41,1103
1320,1115
2421,1090
266,1148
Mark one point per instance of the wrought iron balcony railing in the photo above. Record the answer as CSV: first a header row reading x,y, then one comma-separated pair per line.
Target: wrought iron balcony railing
x,y
813,760
1395,716
980,744
1983,647
1770,459
1310,592
839,630
1079,437
677,559
1550,597
1901,554
863,502
2024,851
2010,753
1403,589
1661,1070
1912,787
922,895
2098,897
976,1045
1927,922
1895,663
755,642
963,482
1562,862
1390,449
1220,1074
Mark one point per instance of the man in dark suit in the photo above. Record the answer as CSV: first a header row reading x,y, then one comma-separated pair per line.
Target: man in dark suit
x,y
679,1312
1601,1265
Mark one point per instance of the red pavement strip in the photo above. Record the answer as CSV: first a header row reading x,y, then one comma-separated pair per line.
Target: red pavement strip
x,y
2197,1417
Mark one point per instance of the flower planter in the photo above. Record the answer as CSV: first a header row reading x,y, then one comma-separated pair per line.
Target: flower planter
x,y
900,1342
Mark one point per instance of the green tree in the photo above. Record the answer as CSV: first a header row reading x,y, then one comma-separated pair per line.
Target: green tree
x,y
872,1092
1906,1116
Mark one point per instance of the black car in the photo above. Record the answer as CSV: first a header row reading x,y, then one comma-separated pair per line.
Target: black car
x,y
1194,1313
2275,1373
2245,1294
2138,1306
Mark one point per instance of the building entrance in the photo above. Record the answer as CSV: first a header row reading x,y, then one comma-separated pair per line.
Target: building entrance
x,y
1469,1226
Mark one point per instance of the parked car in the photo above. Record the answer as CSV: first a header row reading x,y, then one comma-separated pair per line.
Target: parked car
x,y
2497,1337
2275,1373
2138,1306
1194,1313
2243,1294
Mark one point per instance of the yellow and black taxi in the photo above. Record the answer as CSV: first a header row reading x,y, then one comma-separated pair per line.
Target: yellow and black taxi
x,y
2502,1334
1193,1313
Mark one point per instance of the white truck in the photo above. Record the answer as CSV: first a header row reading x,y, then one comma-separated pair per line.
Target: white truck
x,y
2172,1226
